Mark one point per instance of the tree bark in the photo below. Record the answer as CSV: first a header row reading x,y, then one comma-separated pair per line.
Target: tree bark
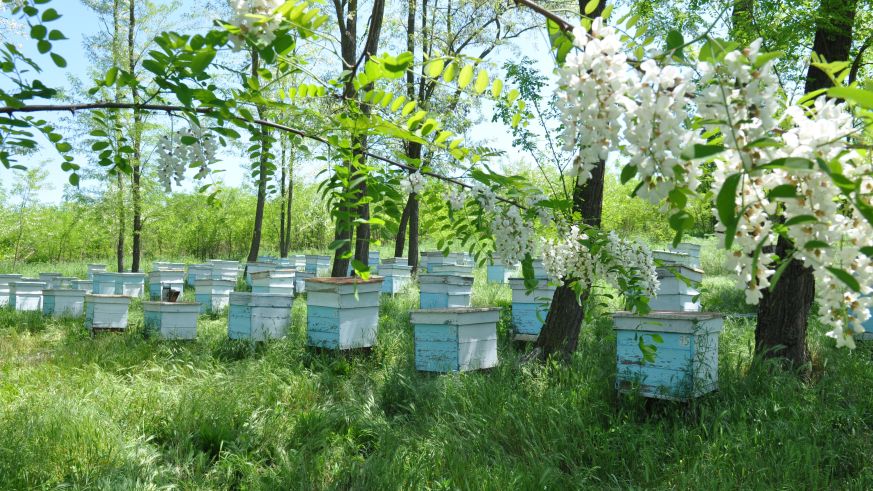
x,y
136,189
783,312
560,332
262,177
288,202
119,245
283,249
400,240
413,232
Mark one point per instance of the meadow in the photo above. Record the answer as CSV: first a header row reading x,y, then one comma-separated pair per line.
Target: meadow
x,y
128,411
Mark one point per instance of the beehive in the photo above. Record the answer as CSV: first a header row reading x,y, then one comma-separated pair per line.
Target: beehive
x,y
529,309
130,284
199,272
213,295
686,362
159,278
52,280
258,316
95,268
440,291
5,280
257,267
274,281
63,302
106,312
26,296
103,283
84,285
456,339
674,294
395,276
171,320
342,313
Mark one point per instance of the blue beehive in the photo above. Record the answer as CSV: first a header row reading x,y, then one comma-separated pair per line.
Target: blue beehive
x,y
213,295
441,291
529,310
867,335
159,278
84,285
62,302
130,284
686,362
677,294
198,272
496,272
106,312
103,283
5,285
258,316
224,270
317,264
257,267
396,275
172,320
95,268
26,295
455,340
274,281
342,313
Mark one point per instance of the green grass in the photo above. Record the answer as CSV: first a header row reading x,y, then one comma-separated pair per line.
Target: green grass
x,y
129,412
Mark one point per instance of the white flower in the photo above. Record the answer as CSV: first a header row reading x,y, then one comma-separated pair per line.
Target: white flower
x,y
412,182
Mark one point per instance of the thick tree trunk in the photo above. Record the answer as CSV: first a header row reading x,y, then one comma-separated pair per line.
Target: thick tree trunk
x,y
413,232
137,148
400,240
116,46
560,332
283,249
288,202
783,312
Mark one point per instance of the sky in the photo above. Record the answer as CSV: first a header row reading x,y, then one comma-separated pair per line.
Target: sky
x,y
78,22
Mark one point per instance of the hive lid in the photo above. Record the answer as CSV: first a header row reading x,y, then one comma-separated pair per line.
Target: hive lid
x,y
346,280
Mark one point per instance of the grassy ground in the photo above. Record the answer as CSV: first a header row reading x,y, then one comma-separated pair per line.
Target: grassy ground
x,y
127,412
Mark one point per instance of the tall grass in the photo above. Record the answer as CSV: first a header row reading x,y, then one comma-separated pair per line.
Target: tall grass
x,y
125,412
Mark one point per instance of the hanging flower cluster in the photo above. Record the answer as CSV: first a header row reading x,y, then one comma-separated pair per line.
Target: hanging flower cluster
x,y
185,149
625,265
777,160
255,18
412,183
457,198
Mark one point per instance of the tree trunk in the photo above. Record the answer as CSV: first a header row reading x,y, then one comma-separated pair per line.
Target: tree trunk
x,y
289,200
283,249
560,332
116,46
783,312
400,240
262,177
136,134
413,232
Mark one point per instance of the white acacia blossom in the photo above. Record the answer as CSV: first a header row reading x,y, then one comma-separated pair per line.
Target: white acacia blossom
x,y
175,155
608,105
412,182
256,18
621,263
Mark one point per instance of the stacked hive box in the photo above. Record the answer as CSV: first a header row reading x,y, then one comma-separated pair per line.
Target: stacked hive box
x,y
84,285
52,280
441,291
213,295
95,268
317,264
26,296
5,286
456,339
103,283
258,316
63,302
342,313
396,274
170,319
274,281
106,312
257,267
130,284
198,272
529,309
160,278
224,270
685,363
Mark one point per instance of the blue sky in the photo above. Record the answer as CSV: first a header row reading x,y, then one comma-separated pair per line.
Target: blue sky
x,y
78,21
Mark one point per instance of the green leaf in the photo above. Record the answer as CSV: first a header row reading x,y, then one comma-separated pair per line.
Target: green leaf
x,y
466,76
699,151
816,244
435,67
38,31
783,191
861,97
110,77
74,179
50,15
496,88
59,60
726,207
627,173
590,6
481,82
846,278
450,72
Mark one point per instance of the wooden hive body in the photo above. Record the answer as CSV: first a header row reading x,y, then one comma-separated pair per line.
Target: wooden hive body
x,y
171,320
342,313
213,295
455,339
529,310
106,311
63,302
174,278
440,291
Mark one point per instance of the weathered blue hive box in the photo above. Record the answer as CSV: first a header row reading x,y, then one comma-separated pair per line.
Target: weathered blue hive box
x,y
539,269
317,264
258,316
372,263
267,259
674,294
442,291
26,296
52,280
495,271
224,270
686,362
85,285
5,281
95,268
396,277
454,269
529,310
342,313
274,281
434,258
106,311
672,258
171,320
213,295
130,284
164,265
66,282
463,258
455,340
693,252
300,278
159,278
403,261
63,302
257,267
198,272
103,283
